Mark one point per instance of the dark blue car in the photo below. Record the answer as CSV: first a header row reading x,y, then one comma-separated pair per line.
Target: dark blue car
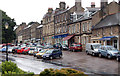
x,y
52,53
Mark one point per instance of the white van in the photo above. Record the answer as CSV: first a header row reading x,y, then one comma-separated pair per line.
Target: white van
x,y
92,48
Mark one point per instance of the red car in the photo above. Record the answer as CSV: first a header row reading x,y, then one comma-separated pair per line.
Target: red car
x,y
25,51
20,50
75,47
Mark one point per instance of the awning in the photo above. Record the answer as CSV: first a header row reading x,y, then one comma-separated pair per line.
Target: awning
x,y
68,37
108,38
61,36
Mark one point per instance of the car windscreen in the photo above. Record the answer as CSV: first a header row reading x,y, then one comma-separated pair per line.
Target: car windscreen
x,y
96,46
32,49
11,47
49,51
111,48
78,45
26,48
42,51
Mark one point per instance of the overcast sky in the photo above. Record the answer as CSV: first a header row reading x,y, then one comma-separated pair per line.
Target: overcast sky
x,y
33,10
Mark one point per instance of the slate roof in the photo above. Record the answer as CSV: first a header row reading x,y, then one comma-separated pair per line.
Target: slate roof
x,y
110,20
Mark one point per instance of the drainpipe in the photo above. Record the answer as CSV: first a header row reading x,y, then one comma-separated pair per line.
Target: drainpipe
x,y
80,32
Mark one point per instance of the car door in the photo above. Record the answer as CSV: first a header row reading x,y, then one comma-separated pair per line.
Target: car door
x,y
54,54
104,51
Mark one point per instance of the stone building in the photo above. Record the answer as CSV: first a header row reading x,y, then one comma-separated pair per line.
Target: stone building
x,y
80,27
63,18
108,31
106,25
20,33
39,33
48,27
33,31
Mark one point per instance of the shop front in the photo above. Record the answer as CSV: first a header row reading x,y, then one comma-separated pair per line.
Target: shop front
x,y
111,40
69,40
58,38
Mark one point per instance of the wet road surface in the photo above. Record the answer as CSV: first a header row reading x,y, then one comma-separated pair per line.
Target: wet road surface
x,y
29,63
77,60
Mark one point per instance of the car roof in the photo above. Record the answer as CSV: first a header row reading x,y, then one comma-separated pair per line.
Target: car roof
x,y
106,46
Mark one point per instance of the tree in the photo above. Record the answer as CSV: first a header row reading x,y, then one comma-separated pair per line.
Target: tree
x,y
10,34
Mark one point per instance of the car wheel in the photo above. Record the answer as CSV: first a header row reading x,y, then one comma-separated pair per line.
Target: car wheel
x,y
60,56
87,52
117,59
51,58
109,57
100,55
93,54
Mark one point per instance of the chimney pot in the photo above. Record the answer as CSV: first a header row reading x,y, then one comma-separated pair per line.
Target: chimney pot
x,y
92,4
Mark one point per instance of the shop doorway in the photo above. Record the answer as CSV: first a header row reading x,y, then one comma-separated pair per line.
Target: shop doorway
x,y
115,44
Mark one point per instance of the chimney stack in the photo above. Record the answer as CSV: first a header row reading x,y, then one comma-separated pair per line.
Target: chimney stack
x,y
62,5
92,4
50,10
104,3
78,5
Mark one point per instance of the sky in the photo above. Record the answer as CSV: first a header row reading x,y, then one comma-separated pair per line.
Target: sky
x,y
34,10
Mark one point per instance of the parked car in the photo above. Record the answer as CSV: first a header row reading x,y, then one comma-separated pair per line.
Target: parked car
x,y
26,50
31,51
39,47
108,51
75,47
10,49
52,53
41,53
48,47
4,49
118,56
65,47
2,45
20,50
14,50
57,46
92,48
36,51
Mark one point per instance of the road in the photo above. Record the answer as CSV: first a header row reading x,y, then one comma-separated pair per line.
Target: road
x,y
76,60
29,63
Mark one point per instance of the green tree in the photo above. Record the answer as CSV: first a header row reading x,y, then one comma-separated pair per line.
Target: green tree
x,y
9,35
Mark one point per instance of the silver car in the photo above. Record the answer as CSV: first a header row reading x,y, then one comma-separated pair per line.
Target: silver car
x,y
108,51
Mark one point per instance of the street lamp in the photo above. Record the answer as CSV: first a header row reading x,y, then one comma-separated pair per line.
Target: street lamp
x,y
6,28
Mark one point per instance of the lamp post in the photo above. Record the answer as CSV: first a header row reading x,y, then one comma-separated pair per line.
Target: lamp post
x,y
6,28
